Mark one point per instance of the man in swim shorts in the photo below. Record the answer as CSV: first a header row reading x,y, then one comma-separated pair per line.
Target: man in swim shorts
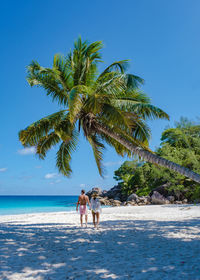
x,y
83,200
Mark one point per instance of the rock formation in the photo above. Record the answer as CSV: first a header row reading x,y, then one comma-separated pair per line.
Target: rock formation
x,y
115,197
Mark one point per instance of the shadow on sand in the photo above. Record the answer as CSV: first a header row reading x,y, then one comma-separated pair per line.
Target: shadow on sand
x,y
119,250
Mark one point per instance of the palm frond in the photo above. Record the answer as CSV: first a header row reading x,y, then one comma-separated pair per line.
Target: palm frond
x,y
111,84
64,154
131,126
92,51
75,101
97,148
64,129
117,66
46,143
135,95
119,148
133,81
148,111
93,104
48,80
113,115
141,132
32,134
63,71
83,61
127,103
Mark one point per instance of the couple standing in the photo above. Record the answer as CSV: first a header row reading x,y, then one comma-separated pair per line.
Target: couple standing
x,y
94,205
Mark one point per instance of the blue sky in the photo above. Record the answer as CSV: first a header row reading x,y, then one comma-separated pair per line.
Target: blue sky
x,y
161,38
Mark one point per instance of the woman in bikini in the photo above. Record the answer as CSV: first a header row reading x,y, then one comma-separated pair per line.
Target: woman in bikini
x,y
83,200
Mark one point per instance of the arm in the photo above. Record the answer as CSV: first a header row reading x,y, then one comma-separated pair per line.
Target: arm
x,y
99,204
78,203
88,201
91,204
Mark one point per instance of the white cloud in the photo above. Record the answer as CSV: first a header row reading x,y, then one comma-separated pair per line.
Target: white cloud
x,y
27,151
58,181
82,185
55,182
3,169
51,175
112,163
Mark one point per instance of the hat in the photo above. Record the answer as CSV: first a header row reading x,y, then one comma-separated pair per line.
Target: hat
x,y
95,194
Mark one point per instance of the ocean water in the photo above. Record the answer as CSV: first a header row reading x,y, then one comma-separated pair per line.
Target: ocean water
x,y
10,205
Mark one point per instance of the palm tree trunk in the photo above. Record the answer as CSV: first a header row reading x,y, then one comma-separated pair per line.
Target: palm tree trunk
x,y
146,155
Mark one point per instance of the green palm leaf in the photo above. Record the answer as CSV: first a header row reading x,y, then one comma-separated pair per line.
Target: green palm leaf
x,y
64,128
64,154
119,148
110,84
83,61
92,51
148,111
133,81
117,66
97,148
75,103
63,72
131,95
32,134
48,80
112,115
46,143
141,131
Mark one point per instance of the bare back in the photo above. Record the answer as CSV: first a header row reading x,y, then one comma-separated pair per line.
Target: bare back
x,y
83,199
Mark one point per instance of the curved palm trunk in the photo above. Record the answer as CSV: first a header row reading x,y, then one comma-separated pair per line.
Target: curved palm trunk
x,y
148,156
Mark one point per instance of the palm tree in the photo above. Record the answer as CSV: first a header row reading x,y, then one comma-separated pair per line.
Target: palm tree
x,y
108,108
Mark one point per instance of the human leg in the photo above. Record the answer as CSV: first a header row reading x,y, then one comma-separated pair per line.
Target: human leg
x,y
83,211
93,217
81,220
86,219
98,216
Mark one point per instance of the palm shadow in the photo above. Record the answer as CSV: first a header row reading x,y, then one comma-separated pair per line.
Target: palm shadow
x,y
119,250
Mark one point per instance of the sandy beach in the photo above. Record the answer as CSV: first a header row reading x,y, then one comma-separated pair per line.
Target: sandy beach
x,y
141,242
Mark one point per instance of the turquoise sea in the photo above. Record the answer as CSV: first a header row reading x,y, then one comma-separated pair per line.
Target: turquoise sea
x,y
10,205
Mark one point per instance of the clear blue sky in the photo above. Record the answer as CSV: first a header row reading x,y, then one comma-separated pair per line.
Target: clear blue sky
x,y
162,40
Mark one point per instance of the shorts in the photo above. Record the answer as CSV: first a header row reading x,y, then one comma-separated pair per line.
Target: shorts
x,y
96,211
83,210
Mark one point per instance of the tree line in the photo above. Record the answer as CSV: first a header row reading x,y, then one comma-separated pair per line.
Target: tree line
x,y
180,144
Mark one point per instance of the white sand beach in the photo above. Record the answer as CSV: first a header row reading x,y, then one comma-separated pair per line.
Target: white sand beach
x,y
141,242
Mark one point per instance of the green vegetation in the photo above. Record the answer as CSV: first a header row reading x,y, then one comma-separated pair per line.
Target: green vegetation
x,y
180,144
107,107
95,103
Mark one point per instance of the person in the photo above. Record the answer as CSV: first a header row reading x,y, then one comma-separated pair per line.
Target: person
x,y
83,200
95,206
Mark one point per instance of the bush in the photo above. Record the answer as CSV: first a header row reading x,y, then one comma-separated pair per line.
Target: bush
x,y
180,145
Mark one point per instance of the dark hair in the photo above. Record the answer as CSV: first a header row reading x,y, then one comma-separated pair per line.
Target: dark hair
x,y
83,191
